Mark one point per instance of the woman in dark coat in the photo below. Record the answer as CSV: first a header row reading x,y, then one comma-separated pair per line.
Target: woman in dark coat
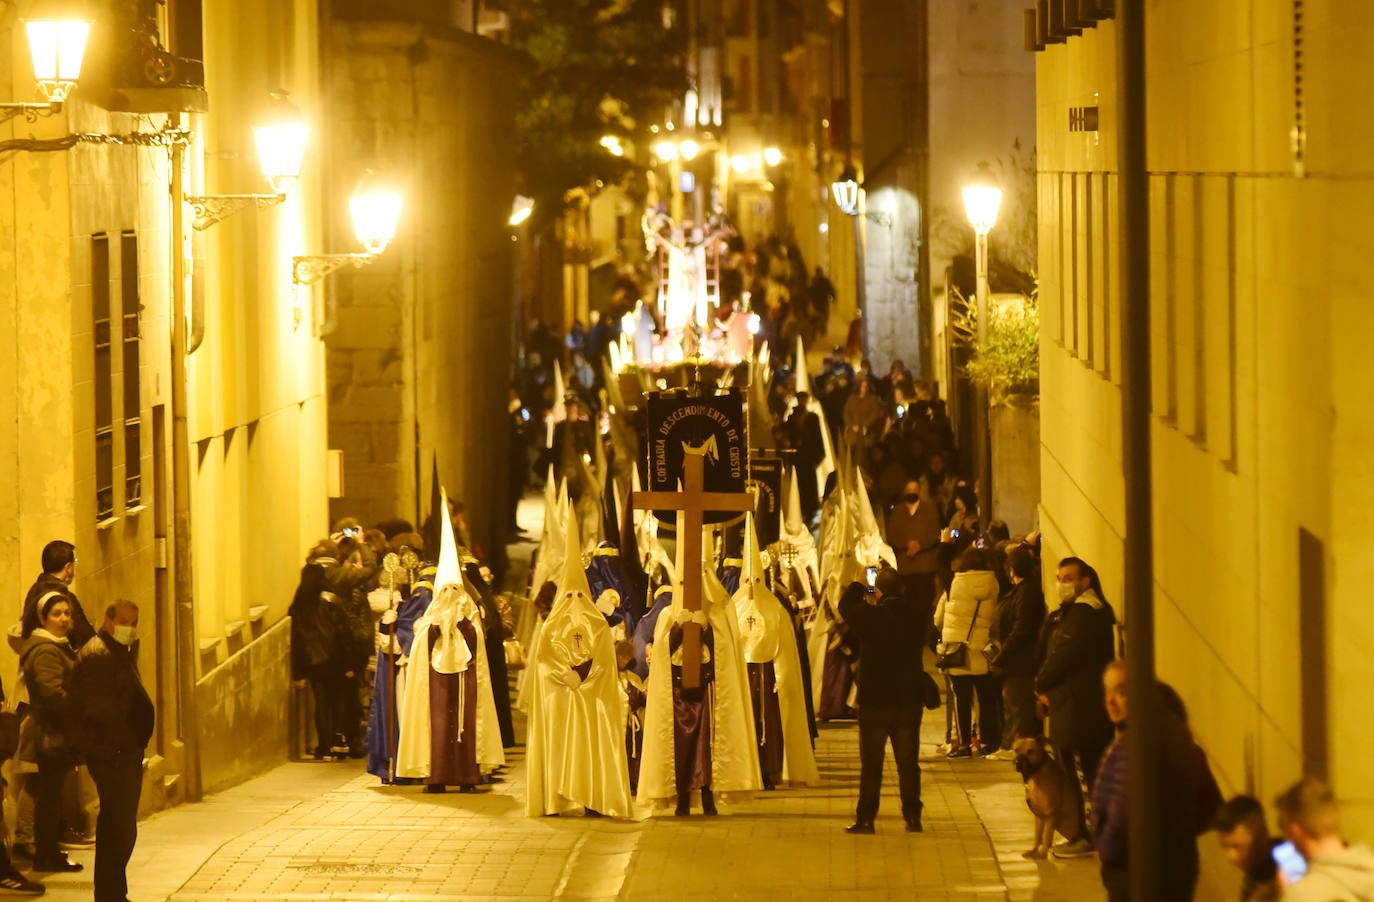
x,y
317,628
46,662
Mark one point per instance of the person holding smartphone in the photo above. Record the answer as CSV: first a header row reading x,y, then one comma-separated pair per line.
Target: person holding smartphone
x,y
1316,864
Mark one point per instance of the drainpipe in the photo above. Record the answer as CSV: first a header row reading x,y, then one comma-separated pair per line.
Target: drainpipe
x,y
1143,736
183,583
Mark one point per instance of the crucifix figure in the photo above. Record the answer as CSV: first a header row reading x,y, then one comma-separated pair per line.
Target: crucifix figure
x,y
694,502
750,620
577,641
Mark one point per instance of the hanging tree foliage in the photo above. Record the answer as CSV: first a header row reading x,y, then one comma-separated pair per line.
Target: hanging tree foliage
x,y
599,67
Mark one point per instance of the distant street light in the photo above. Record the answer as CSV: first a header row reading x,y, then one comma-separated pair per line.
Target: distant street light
x,y
689,149
666,151
982,201
772,156
845,191
613,145
521,210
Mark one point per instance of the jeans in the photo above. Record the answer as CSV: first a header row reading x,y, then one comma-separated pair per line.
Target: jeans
x,y
119,780
1018,709
902,726
984,685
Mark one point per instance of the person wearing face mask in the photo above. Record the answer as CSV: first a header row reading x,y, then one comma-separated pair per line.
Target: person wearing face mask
x,y
1074,646
913,531
111,722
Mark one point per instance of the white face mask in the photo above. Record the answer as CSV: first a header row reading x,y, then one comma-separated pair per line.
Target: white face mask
x,y
1067,591
124,635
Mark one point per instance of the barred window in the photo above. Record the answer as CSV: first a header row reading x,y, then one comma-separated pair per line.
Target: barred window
x,y
104,378
133,422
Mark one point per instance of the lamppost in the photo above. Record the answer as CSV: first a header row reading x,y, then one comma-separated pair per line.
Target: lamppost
x,y
982,200
845,191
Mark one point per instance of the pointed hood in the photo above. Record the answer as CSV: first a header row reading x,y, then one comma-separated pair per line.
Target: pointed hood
x,y
573,580
430,529
448,572
793,520
610,511
867,522
754,566
559,411
803,383
869,548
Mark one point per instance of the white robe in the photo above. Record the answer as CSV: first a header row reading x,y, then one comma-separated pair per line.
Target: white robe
x,y
734,755
451,655
769,636
576,743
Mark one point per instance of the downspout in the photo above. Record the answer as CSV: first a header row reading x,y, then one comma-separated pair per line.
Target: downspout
x,y
1143,745
183,581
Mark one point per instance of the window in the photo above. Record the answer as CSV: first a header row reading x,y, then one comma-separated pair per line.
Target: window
x,y
104,391
133,422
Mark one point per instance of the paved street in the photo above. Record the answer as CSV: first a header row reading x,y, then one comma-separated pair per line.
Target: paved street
x,y
323,830
328,831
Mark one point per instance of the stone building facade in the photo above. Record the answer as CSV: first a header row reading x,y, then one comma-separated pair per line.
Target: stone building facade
x,y
1260,190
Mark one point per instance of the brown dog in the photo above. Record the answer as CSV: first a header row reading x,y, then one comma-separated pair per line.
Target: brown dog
x,y
1049,795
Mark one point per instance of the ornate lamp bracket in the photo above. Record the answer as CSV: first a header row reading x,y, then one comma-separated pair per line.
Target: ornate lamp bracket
x,y
31,112
213,208
307,270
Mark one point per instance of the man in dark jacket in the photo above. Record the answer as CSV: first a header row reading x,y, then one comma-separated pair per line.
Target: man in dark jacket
x,y
886,628
1075,644
1020,618
111,723
59,568
803,433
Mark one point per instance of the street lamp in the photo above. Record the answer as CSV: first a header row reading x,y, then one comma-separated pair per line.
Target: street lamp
x,y
982,201
375,209
689,149
772,156
57,48
845,191
281,140
521,210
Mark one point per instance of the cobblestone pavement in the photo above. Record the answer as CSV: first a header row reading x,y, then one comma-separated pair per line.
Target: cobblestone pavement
x,y
312,831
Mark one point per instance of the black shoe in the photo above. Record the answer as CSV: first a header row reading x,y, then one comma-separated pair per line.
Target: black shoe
x,y
591,812
16,884
684,804
708,803
61,865
434,788
860,827
914,826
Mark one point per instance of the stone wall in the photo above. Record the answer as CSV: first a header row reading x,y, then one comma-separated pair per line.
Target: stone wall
x,y
244,711
420,342
1016,463
1261,323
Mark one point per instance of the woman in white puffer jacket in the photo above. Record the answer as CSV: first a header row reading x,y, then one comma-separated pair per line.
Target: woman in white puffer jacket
x,y
967,614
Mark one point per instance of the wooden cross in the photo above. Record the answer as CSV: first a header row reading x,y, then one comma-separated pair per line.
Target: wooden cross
x,y
694,502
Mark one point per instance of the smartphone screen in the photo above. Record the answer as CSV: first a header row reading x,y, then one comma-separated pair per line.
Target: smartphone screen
x,y
1290,861
872,575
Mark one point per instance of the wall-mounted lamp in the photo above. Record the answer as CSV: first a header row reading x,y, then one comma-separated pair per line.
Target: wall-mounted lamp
x,y
375,210
281,140
845,191
772,156
57,48
521,209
